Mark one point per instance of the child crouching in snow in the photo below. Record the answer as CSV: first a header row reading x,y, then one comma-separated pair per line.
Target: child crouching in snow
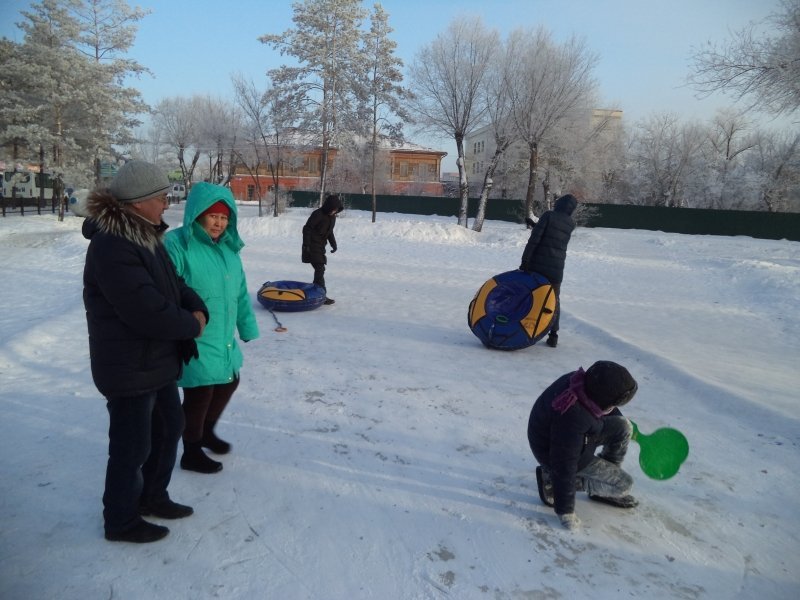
x,y
571,419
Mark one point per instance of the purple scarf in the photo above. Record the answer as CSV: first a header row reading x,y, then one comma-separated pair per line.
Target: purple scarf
x,y
576,392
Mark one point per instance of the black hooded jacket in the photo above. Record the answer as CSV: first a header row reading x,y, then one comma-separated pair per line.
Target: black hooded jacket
x,y
563,443
318,231
546,249
138,310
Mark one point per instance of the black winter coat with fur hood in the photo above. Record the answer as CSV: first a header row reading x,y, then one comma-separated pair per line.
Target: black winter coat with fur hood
x,y
138,310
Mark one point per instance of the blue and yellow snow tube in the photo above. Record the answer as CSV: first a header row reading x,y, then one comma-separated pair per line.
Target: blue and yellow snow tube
x,y
513,310
290,296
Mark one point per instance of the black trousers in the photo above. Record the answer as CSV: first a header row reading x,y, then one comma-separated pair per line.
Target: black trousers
x,y
555,322
319,274
143,436
202,407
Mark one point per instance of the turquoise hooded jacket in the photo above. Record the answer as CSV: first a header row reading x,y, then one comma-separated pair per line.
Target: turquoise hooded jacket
x,y
214,270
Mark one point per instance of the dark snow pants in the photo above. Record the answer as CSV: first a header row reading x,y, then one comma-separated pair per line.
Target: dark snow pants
x,y
554,324
143,436
319,274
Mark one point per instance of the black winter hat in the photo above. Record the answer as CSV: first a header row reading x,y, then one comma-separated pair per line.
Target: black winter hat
x,y
566,204
609,384
332,202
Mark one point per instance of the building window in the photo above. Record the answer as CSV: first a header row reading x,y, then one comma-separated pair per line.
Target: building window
x,y
313,164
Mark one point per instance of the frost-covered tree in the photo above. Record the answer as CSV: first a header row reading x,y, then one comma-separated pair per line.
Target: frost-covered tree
x,y
382,90
68,91
176,118
267,116
723,180
43,71
494,94
218,127
774,165
17,110
200,125
447,76
602,157
553,84
107,31
325,45
664,155
722,164
759,68
148,144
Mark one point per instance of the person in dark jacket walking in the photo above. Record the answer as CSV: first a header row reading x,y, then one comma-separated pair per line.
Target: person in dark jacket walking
x,y
546,250
571,419
142,320
317,232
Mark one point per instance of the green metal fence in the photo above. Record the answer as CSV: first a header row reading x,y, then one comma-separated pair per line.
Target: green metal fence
x,y
773,226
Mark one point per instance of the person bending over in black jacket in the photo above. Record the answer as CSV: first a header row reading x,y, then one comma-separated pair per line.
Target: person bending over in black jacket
x,y
546,250
573,417
317,232
142,320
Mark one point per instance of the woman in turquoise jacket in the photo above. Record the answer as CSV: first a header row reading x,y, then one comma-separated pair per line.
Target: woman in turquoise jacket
x,y
205,251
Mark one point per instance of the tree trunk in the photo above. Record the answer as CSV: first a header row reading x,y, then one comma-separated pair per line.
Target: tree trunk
x,y
546,191
477,225
533,166
40,202
372,184
463,184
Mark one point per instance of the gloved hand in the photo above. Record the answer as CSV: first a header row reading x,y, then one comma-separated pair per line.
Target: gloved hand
x,y
333,249
188,350
570,521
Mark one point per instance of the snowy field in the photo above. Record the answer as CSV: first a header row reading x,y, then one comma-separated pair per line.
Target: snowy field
x,y
379,450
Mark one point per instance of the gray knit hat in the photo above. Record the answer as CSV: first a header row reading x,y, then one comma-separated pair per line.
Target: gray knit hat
x,y
138,180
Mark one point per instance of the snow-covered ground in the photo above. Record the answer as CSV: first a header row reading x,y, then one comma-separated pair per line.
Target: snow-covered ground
x,y
380,449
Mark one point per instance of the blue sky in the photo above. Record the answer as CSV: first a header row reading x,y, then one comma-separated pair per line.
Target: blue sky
x,y
193,46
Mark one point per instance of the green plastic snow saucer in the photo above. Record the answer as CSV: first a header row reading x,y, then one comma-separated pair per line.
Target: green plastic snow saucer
x,y
662,452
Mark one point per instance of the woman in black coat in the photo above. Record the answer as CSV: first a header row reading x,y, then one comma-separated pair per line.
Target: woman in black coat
x,y
571,419
317,232
546,250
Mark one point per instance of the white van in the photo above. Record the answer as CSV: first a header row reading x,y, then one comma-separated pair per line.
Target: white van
x,y
177,193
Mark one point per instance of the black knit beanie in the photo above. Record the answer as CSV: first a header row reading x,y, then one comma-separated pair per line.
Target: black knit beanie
x,y
609,384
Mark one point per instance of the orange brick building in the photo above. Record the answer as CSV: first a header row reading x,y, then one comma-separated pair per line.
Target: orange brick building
x,y
402,169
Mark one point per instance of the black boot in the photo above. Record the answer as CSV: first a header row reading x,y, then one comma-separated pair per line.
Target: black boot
x,y
545,485
194,459
166,509
552,340
141,533
212,442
